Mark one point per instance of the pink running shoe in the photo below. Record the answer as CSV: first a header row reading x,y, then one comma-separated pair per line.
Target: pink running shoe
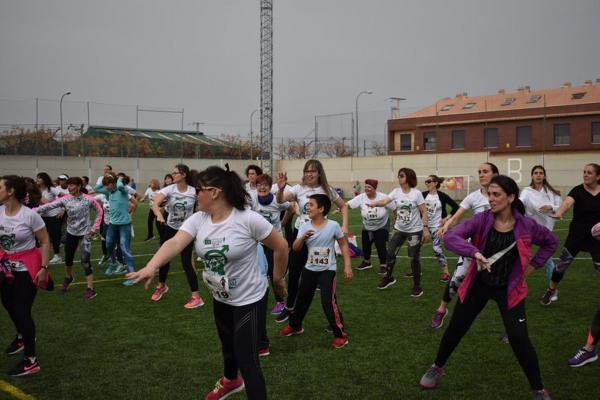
x,y
158,292
225,388
339,342
194,302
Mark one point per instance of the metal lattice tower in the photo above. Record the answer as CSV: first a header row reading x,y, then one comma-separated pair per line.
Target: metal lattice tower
x,y
266,85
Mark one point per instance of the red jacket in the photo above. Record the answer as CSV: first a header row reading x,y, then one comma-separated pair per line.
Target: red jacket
x,y
32,259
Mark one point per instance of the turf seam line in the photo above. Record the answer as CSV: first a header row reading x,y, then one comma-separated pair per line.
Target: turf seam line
x,y
15,391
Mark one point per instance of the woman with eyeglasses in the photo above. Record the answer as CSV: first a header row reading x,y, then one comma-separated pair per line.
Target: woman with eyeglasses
x,y
314,181
225,234
181,204
541,201
375,224
436,202
478,202
499,243
411,226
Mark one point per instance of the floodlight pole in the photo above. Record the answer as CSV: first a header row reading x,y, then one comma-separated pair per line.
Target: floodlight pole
x,y
62,143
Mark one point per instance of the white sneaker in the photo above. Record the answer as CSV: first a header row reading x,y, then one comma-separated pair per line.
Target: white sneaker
x,y
55,259
554,296
121,269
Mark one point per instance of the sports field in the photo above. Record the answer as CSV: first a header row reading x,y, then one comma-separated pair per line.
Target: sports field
x,y
121,345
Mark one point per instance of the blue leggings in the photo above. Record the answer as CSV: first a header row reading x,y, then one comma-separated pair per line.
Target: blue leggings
x,y
124,233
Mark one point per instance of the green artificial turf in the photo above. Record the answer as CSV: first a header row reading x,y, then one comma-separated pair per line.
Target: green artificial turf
x,y
121,345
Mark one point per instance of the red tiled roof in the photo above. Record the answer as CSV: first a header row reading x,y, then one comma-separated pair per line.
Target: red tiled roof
x,y
523,98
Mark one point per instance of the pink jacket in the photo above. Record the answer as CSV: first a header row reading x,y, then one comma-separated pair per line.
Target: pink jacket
x,y
32,259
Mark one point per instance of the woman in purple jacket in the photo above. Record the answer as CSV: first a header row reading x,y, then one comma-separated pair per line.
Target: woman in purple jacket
x,y
500,252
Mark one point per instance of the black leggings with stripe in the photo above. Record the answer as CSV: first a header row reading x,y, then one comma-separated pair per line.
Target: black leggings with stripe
x,y
240,329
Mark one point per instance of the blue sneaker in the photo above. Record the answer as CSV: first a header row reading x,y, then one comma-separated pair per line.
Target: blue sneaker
x,y
128,282
583,357
111,269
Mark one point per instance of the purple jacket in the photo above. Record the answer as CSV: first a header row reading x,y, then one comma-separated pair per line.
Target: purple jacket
x,y
526,231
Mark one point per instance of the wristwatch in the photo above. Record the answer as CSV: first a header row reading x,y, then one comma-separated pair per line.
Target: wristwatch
x,y
44,267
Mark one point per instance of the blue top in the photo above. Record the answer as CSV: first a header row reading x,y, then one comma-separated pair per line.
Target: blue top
x,y
118,200
321,245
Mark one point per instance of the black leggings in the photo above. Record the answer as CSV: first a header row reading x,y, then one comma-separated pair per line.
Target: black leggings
x,y
595,329
149,222
379,237
186,260
84,244
240,329
296,263
53,224
514,323
17,299
570,250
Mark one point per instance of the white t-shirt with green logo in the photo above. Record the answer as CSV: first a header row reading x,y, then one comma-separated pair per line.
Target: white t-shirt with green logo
x,y
180,205
301,193
271,212
229,252
17,232
373,218
408,216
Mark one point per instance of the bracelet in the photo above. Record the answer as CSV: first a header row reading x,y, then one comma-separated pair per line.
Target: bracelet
x,y
45,267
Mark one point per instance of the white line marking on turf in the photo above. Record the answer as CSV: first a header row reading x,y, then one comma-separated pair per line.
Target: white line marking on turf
x,y
14,391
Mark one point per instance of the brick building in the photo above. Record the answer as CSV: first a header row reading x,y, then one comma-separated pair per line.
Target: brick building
x,y
549,120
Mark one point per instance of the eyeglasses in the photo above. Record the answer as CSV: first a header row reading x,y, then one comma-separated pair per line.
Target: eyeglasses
x,y
262,184
401,176
428,181
175,173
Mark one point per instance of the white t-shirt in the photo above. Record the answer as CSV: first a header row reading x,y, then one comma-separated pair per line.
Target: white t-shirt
x,y
434,211
17,233
271,212
373,218
475,201
229,252
61,192
408,216
249,189
533,200
99,180
51,194
275,188
301,194
151,193
321,245
180,205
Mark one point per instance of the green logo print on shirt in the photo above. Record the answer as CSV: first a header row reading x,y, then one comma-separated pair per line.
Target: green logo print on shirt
x,y
216,259
7,241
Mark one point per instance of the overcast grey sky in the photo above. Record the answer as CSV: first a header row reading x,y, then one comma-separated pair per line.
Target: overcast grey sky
x,y
203,56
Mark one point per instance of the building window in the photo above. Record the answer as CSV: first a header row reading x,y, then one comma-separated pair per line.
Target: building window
x,y
468,106
458,140
405,142
562,134
534,98
490,136
508,101
447,107
596,132
577,96
429,142
523,136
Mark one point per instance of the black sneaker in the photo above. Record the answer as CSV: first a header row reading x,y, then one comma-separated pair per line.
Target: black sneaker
x,y
364,265
547,297
66,283
25,367
17,346
386,282
283,316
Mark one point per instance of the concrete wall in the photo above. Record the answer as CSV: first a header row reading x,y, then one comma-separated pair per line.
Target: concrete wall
x,y
564,169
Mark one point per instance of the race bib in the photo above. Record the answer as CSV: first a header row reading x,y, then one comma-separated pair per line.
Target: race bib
x,y
320,256
217,284
372,214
